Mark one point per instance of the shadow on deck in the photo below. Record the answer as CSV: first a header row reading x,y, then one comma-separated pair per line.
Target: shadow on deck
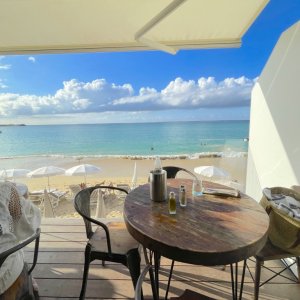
x,y
60,264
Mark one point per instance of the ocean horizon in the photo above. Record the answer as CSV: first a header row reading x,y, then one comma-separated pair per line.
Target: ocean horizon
x,y
170,139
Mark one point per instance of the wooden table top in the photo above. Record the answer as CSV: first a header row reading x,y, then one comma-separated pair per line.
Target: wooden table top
x,y
211,230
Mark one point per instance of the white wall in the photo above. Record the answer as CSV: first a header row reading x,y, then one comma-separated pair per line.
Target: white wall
x,y
274,138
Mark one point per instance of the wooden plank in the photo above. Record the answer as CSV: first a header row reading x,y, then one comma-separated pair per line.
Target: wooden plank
x,y
62,221
57,257
58,246
63,228
59,236
95,288
71,271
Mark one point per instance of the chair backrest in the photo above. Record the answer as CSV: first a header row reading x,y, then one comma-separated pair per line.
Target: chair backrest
x,y
82,204
8,252
172,171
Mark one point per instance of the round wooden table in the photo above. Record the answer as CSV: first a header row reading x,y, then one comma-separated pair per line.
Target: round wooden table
x,y
211,230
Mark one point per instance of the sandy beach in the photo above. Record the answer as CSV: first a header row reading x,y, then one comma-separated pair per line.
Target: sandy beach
x,y
115,171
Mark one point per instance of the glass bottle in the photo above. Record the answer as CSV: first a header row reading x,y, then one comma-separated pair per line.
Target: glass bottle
x,y
172,203
197,187
182,196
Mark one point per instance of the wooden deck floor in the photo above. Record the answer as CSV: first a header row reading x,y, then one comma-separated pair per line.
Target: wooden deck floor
x,y
60,264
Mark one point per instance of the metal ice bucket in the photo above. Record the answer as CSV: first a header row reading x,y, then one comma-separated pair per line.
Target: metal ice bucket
x,y
158,185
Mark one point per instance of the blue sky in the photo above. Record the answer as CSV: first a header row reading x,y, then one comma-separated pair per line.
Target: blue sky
x,y
142,86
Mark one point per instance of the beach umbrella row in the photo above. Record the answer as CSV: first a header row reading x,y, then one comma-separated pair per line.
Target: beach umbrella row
x,y
48,171
13,173
83,170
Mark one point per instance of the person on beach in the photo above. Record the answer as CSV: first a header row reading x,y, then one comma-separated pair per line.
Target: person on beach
x,y
19,219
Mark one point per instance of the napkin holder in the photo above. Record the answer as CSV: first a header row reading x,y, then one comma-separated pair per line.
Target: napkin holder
x,y
158,185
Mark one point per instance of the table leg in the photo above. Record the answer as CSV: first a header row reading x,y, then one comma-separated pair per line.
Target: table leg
x,y
169,281
235,281
156,269
154,286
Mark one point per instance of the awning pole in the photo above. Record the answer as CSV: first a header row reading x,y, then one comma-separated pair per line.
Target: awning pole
x,y
153,22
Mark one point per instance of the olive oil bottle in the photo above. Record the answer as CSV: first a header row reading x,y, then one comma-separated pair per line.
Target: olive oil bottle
x,y
172,203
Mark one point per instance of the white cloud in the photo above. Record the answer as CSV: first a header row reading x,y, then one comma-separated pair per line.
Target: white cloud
x,y
2,85
5,67
2,66
207,92
102,96
32,59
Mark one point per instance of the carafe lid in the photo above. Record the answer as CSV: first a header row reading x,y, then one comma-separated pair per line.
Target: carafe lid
x,y
157,164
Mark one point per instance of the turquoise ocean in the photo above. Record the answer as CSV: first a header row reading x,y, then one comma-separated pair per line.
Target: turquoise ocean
x,y
191,139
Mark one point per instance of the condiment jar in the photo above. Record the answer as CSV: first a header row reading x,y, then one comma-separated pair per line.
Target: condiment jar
x,y
172,203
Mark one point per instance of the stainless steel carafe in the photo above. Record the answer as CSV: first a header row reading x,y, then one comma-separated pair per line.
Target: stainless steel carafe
x,y
158,185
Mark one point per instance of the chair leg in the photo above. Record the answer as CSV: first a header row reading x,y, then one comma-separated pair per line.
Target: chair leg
x,y
87,257
298,267
134,265
257,278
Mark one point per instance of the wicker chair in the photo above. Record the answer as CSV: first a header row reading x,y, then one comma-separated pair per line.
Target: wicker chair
x,y
25,291
270,252
109,242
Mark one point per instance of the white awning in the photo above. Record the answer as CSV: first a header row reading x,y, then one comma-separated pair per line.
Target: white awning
x,y
59,26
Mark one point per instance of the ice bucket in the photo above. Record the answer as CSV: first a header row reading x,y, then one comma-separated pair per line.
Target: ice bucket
x,y
158,185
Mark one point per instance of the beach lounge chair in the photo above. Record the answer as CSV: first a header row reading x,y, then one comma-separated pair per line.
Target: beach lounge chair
x,y
50,202
74,188
125,187
109,242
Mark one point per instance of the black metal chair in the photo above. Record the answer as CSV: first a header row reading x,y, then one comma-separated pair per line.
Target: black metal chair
x,y
172,171
109,242
28,292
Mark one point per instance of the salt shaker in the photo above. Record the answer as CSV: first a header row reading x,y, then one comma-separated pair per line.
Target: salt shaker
x,y
182,196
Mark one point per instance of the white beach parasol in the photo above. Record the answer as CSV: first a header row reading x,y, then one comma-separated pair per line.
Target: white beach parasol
x,y
212,172
83,170
13,173
46,172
